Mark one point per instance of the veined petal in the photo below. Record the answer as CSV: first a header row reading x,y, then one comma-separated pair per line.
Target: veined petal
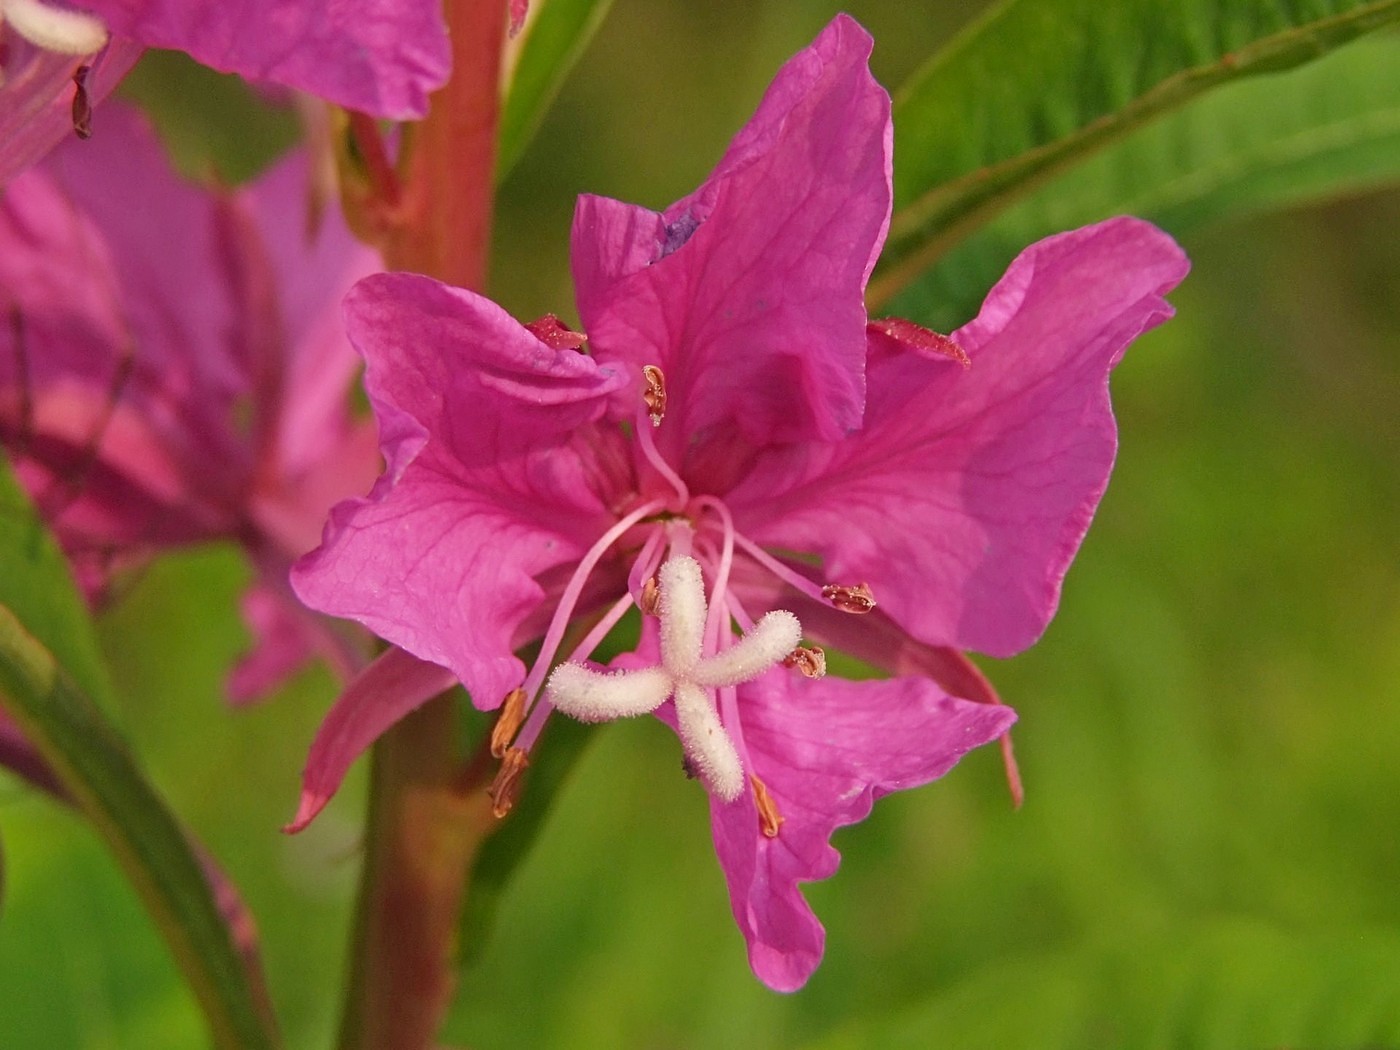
x,y
825,750
487,483
379,56
964,498
750,297
388,689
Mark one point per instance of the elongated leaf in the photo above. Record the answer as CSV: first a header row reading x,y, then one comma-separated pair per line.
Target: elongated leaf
x,y
1040,84
1329,128
51,681
95,769
553,40
36,585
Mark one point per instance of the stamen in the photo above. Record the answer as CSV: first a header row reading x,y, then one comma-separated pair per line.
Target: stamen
x,y
82,105
769,819
648,446
512,714
777,568
54,29
505,789
655,394
726,556
570,597
555,334
922,340
810,660
651,597
858,599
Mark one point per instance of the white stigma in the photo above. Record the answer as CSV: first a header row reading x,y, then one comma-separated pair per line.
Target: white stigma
x,y
56,29
684,673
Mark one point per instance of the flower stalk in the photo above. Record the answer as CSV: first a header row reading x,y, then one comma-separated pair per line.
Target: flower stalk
x,y
426,818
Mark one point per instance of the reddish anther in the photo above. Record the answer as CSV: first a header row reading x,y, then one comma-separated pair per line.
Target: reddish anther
x,y
858,599
555,334
911,336
655,394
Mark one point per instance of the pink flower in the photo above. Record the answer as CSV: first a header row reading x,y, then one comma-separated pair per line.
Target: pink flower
x,y
740,446
378,56
173,368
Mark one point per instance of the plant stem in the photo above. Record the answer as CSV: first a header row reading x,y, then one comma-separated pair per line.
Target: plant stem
x,y
426,820
423,831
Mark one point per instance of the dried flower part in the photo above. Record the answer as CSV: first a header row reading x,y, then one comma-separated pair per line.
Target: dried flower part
x,y
650,603
769,819
82,104
655,394
916,337
512,715
810,660
505,789
858,599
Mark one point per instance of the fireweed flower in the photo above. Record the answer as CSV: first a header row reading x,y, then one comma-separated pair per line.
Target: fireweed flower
x,y
748,459
173,371
57,57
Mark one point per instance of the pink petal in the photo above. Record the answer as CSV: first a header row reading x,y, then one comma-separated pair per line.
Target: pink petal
x,y
826,750
379,56
36,97
118,364
966,495
483,428
749,294
388,689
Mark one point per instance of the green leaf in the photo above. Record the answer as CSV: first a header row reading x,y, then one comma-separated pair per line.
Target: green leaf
x,y
553,40
1225,984
95,768
1038,85
36,585
51,679
1328,128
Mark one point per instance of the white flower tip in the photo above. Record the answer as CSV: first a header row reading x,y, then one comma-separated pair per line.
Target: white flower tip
x,y
596,696
709,752
766,645
54,28
682,613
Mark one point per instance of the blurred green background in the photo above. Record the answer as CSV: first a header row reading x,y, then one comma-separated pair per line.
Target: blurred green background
x,y
1208,854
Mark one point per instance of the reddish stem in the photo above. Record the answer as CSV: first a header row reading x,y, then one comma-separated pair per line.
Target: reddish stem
x,y
425,824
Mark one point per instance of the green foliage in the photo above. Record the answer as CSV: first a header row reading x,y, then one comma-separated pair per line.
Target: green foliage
x,y
55,709
1037,85
38,589
216,127
554,38
1328,128
1217,985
